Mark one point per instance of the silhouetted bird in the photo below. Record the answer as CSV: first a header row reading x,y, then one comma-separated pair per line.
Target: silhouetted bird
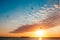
x,y
7,16
40,27
32,8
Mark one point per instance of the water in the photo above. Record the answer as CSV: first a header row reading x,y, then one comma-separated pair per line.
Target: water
x,y
50,38
29,38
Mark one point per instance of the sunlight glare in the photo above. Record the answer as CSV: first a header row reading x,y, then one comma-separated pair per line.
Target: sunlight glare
x,y
40,33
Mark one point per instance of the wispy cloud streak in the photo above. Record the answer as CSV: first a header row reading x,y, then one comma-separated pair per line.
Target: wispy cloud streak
x,y
50,18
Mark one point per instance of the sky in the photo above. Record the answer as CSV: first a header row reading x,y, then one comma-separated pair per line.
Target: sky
x,y
15,13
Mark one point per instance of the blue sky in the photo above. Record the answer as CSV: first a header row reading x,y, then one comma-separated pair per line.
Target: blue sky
x,y
14,13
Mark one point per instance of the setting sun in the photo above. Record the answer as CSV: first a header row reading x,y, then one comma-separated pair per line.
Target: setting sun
x,y
40,33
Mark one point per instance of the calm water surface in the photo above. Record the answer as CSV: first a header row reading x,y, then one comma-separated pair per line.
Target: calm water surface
x,y
18,38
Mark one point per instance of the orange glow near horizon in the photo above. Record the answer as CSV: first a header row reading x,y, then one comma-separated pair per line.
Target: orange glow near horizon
x,y
52,32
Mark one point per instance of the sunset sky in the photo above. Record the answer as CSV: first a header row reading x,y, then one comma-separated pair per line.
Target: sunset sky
x,y
15,13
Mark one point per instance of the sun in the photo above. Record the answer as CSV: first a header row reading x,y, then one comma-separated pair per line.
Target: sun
x,y
39,33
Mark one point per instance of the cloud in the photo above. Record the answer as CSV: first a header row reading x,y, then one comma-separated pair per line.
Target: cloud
x,y
56,6
53,19
25,28
47,19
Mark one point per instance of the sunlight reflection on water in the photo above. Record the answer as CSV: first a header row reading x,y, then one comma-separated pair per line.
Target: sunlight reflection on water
x,y
40,38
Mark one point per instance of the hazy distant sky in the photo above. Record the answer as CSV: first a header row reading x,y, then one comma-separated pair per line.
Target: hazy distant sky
x,y
14,13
